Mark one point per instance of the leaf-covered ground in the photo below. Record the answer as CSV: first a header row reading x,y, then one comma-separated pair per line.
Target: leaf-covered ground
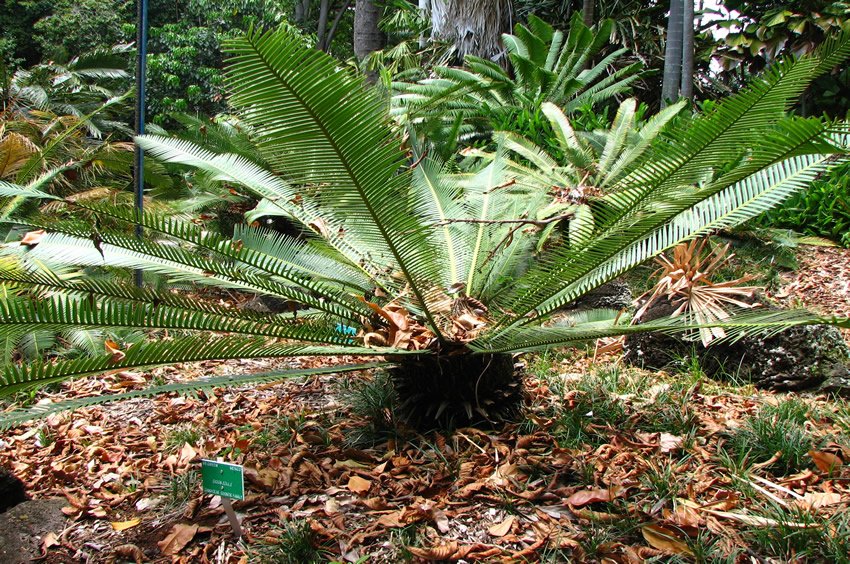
x,y
606,464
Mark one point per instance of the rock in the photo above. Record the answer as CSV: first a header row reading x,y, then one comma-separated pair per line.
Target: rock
x,y
22,528
796,359
12,490
838,383
269,304
613,295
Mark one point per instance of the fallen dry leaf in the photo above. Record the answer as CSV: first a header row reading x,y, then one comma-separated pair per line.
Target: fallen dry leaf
x,y
129,552
441,520
180,535
585,497
391,520
124,525
664,539
503,528
816,500
33,238
825,461
669,442
358,485
50,539
113,349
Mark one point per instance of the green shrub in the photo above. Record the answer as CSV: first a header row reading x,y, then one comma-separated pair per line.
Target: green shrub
x,y
822,210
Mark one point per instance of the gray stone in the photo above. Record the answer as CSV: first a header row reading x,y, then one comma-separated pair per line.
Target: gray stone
x,y
613,295
838,383
795,359
23,527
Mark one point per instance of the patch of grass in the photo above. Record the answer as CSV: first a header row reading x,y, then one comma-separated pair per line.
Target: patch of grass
x,y
277,433
791,409
774,429
180,488
597,399
670,411
800,536
663,482
596,541
705,548
375,401
296,544
181,435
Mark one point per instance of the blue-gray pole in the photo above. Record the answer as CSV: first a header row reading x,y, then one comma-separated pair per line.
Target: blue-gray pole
x,y
141,67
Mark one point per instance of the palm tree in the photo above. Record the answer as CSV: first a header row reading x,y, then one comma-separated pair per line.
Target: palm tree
x,y
424,268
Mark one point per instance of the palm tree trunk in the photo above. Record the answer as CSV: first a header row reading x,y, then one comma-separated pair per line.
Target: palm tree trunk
x,y
475,26
588,9
367,34
687,83
425,11
673,54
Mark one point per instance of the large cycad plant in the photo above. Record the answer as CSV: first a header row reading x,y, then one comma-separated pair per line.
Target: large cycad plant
x,y
424,268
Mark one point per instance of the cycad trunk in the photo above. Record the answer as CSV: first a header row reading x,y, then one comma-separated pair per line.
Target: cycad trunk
x,y
474,26
456,388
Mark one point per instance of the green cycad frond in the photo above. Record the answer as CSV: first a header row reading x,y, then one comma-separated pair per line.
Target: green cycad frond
x,y
436,198
318,126
39,411
71,246
279,194
684,215
61,312
290,260
529,338
545,67
14,378
728,208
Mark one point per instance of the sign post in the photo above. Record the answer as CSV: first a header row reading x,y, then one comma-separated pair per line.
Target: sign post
x,y
228,481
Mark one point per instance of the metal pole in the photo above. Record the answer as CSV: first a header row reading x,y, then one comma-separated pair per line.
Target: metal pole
x,y
141,68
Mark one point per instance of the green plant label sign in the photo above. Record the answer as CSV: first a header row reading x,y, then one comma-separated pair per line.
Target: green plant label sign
x,y
223,478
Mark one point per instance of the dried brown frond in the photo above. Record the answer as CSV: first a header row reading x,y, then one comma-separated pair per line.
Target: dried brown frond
x,y
686,282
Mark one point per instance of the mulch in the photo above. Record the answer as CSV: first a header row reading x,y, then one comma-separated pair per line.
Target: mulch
x,y
821,283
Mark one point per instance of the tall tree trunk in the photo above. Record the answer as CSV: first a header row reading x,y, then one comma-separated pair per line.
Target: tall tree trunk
x,y
322,27
367,34
588,9
474,26
687,84
425,12
330,37
302,9
673,53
